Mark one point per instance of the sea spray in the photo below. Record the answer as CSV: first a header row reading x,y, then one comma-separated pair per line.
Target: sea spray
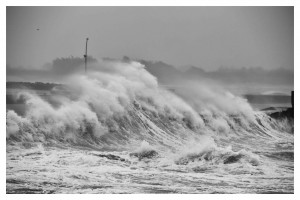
x,y
121,102
117,126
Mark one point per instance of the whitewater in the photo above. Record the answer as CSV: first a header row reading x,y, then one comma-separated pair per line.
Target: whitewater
x,y
117,130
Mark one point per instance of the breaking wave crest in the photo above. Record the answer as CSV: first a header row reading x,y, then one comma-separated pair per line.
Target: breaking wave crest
x,y
121,105
208,151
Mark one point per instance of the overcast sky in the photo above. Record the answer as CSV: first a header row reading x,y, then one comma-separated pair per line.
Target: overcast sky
x,y
207,37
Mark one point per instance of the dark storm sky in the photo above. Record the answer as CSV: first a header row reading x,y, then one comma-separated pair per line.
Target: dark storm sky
x,y
207,37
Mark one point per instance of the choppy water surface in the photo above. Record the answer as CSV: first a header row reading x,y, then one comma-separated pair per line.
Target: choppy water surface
x,y
119,132
52,170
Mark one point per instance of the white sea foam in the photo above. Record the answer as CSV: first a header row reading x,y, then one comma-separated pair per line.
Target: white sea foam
x,y
153,139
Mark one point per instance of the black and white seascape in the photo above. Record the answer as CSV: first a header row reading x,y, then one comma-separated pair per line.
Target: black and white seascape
x,y
149,100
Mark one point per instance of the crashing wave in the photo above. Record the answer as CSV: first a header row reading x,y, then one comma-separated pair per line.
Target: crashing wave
x,y
123,104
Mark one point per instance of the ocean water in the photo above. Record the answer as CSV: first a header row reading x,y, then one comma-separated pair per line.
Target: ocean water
x,y
118,131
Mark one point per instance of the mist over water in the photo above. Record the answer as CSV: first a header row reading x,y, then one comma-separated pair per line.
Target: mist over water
x,y
117,125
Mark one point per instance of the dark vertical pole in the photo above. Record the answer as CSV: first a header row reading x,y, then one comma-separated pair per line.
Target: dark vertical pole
x,y
85,55
292,97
